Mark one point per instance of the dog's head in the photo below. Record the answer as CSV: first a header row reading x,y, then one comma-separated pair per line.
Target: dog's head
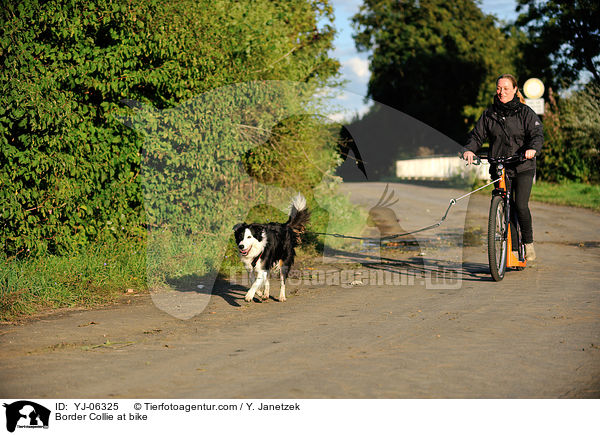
x,y
250,239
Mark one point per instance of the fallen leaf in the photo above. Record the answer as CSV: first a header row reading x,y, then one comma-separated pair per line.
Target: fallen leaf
x,y
87,324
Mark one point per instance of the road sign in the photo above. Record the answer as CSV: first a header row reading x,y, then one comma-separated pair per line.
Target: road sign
x,y
537,104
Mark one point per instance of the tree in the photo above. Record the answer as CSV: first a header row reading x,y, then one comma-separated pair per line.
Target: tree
x,y
566,31
433,59
529,61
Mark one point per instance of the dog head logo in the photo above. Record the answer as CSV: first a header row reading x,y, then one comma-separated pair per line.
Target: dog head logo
x,y
26,414
383,216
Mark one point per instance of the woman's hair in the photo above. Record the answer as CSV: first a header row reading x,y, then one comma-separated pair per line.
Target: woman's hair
x,y
513,80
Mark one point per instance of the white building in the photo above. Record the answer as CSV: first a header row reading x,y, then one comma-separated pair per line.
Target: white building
x,y
440,168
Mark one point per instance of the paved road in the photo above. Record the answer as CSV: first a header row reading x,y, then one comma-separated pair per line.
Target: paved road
x,y
534,335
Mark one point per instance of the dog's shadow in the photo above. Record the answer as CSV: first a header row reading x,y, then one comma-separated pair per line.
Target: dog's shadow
x,y
201,284
231,292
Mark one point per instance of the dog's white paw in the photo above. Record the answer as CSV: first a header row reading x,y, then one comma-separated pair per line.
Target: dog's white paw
x,y
281,297
248,298
264,296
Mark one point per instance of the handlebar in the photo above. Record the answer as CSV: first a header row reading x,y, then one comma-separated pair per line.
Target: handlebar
x,y
495,161
504,160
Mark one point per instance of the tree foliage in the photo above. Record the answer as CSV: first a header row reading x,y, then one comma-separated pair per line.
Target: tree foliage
x,y
566,32
432,59
70,169
529,61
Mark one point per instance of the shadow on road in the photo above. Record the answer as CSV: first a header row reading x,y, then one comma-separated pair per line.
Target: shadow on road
x,y
470,271
223,288
414,266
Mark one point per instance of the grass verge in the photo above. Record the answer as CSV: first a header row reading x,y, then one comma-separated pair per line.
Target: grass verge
x,y
569,193
102,274
96,276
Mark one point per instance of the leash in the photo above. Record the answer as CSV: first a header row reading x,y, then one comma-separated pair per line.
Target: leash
x,y
393,236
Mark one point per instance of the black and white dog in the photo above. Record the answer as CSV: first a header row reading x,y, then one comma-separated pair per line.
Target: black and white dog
x,y
263,247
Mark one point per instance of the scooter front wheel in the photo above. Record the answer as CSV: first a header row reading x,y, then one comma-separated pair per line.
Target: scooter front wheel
x,y
497,243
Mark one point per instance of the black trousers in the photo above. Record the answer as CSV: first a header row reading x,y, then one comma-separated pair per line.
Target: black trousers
x,y
520,185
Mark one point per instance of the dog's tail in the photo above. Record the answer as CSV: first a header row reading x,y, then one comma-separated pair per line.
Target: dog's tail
x,y
299,216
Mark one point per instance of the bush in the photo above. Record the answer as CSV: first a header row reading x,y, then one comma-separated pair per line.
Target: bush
x,y
572,137
582,128
299,138
70,170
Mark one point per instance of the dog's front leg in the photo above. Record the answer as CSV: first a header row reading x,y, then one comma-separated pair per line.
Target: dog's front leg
x,y
260,279
259,292
252,277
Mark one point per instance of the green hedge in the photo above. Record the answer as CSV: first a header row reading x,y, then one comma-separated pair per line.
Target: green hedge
x,y
73,173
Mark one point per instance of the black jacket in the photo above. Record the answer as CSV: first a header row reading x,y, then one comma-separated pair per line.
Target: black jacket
x,y
517,131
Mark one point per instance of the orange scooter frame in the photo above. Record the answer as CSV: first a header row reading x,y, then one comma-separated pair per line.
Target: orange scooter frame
x,y
511,260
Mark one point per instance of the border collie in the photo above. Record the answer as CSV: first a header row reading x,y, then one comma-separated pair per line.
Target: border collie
x,y
263,247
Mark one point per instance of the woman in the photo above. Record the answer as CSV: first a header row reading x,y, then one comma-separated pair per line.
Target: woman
x,y
511,127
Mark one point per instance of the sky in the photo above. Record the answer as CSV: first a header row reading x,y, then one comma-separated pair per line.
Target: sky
x,y
355,65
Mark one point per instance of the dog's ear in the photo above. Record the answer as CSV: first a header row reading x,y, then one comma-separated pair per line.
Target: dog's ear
x,y
238,226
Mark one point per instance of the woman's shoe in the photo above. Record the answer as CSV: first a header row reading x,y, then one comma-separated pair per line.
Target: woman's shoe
x,y
529,252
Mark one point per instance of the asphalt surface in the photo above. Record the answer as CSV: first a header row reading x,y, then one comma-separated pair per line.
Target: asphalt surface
x,y
419,320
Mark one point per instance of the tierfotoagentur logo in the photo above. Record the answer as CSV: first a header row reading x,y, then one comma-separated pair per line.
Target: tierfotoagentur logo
x,y
26,415
432,279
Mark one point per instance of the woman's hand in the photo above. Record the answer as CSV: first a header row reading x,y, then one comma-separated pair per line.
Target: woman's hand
x,y
469,156
529,154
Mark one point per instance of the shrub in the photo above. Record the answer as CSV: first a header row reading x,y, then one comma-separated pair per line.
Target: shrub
x,y
572,137
70,170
